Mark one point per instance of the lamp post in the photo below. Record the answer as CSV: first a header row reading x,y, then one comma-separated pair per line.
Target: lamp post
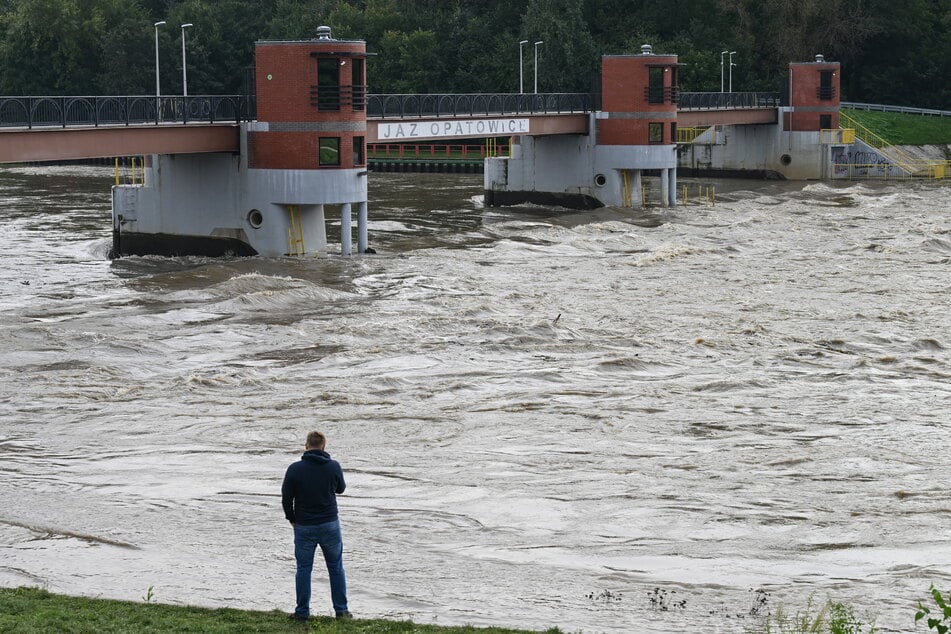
x,y
732,53
158,89
184,67
158,86
521,88
722,53
536,65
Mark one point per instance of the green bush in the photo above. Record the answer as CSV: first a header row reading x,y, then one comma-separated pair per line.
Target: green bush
x,y
941,624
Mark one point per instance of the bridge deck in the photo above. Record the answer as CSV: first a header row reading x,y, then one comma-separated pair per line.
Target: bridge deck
x,y
67,128
73,143
752,116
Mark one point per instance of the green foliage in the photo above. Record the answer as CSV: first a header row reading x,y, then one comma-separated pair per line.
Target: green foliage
x,y
892,52
831,618
905,129
940,622
35,611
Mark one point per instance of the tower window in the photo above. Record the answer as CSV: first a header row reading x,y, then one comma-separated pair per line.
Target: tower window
x,y
329,153
655,88
328,83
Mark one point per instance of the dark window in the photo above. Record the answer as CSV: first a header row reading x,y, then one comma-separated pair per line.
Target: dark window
x,y
673,132
655,88
825,121
359,85
655,133
329,153
826,89
328,83
358,154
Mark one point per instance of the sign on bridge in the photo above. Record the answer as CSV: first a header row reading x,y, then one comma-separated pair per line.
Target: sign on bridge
x,y
411,130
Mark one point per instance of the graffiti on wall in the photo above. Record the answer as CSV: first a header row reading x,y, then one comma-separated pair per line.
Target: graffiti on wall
x,y
848,163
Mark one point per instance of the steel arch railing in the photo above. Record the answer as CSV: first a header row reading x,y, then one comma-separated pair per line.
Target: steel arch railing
x,y
727,100
31,112
476,104
48,111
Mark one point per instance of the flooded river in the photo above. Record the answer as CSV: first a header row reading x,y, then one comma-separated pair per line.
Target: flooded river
x,y
546,418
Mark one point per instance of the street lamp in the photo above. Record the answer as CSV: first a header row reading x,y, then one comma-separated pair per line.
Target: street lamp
x,y
520,77
732,53
184,68
722,53
158,89
536,66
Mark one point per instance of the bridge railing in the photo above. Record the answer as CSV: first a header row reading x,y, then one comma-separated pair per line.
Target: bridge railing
x,y
469,105
727,100
900,109
32,112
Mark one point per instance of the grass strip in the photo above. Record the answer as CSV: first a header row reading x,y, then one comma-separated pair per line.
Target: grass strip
x,y
32,610
905,129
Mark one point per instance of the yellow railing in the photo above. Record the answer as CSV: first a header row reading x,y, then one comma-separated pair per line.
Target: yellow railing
x,y
935,170
689,135
136,178
891,152
845,136
705,195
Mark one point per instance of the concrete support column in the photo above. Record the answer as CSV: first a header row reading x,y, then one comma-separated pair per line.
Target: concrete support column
x,y
149,165
638,197
346,240
362,239
664,185
321,223
673,187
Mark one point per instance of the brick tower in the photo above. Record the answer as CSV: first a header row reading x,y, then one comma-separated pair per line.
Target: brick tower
x,y
307,148
638,121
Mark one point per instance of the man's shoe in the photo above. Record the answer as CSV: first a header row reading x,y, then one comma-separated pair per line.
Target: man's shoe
x,y
298,617
344,615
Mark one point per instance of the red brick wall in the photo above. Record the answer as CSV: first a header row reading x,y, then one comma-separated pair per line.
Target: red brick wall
x,y
624,80
282,150
804,96
285,73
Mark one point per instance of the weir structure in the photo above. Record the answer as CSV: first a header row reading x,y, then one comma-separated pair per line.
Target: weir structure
x,y
305,153
795,138
634,133
222,179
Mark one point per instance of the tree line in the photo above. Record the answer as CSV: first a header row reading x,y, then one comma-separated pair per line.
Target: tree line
x,y
891,52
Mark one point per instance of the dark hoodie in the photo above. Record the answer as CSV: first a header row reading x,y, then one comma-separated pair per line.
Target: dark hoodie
x,y
310,487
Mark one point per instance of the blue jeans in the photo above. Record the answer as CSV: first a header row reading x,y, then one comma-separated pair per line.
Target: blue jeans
x,y
306,540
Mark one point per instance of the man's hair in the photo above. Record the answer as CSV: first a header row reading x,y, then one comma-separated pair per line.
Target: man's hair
x,y
316,440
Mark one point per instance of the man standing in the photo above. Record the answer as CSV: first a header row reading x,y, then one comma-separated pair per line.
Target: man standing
x,y
309,496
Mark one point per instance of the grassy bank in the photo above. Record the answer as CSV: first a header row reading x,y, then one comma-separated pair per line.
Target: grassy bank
x,y
31,610
905,129
34,611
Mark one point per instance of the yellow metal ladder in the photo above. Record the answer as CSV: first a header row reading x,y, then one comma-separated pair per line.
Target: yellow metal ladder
x,y
295,233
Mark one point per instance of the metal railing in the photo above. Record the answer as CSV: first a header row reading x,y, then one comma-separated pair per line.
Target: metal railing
x,y
435,152
902,109
893,153
932,170
727,100
336,97
32,112
661,94
844,136
691,134
469,105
